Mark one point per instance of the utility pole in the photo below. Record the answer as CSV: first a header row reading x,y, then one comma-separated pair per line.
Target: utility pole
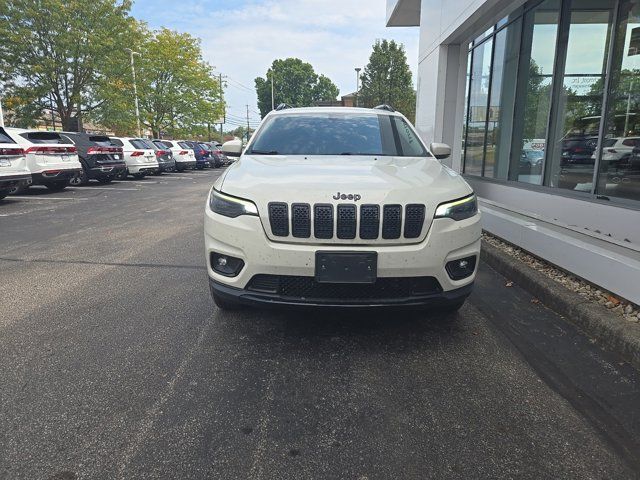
x,y
1,115
224,110
357,83
53,118
247,123
135,88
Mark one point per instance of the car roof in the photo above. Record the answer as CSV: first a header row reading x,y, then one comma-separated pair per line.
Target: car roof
x,y
334,110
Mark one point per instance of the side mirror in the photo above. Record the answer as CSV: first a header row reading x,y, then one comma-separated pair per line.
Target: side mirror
x,y
232,148
440,150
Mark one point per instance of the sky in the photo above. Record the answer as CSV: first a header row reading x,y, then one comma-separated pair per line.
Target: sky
x,y
242,38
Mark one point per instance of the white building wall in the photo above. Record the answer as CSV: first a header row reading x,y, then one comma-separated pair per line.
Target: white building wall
x,y
596,241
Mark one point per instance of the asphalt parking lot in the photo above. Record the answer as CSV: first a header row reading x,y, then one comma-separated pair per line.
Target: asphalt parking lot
x,y
116,365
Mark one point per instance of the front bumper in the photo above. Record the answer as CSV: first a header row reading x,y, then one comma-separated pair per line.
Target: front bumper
x,y
244,237
251,298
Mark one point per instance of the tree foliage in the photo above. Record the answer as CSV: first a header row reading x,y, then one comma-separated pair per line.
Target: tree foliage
x,y
387,79
178,94
295,83
58,52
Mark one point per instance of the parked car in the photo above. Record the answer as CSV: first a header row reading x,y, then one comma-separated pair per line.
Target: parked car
x,y
51,159
331,207
202,156
184,157
531,161
139,157
13,165
100,157
166,163
221,158
211,159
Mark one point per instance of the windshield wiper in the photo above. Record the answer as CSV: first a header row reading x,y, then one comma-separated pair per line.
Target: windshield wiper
x,y
264,152
363,154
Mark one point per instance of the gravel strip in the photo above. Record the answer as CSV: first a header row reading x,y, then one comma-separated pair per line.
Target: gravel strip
x,y
629,311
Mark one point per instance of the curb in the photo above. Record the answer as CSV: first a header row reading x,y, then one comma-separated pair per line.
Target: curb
x,y
611,331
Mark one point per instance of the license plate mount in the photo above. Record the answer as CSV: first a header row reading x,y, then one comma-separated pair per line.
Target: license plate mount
x,y
346,267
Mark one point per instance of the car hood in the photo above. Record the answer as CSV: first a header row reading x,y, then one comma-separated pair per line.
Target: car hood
x,y
325,179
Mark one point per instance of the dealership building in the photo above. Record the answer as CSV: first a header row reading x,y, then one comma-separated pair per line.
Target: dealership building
x,y
540,102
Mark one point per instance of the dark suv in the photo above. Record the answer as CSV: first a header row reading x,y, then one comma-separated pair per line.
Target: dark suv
x,y
100,157
202,155
166,163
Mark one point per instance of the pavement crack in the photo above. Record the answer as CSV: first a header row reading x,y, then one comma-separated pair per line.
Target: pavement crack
x,y
105,264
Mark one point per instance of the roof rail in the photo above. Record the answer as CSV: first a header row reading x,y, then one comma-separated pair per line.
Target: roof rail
x,y
282,106
388,108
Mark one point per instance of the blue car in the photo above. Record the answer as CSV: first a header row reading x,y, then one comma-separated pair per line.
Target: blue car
x,y
202,156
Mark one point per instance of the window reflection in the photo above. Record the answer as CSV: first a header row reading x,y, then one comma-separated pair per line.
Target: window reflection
x,y
479,96
576,125
619,174
540,28
501,101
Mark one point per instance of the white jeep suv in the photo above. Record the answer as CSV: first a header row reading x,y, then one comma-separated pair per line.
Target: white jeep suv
x,y
340,207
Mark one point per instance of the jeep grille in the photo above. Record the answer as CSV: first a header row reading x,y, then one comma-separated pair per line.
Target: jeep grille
x,y
341,221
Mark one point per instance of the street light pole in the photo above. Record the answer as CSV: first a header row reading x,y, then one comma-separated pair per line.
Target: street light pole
x,y
1,115
357,83
135,88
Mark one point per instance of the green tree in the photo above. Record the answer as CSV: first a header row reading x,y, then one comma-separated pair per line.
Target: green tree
x,y
58,52
177,91
387,79
295,83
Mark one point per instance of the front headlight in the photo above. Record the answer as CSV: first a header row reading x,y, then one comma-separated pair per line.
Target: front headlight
x,y
231,206
466,207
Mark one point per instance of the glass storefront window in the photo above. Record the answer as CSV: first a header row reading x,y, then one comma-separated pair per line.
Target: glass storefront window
x,y
501,100
547,106
578,102
619,172
477,114
535,83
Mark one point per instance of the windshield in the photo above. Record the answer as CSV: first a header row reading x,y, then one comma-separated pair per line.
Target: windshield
x,y
337,134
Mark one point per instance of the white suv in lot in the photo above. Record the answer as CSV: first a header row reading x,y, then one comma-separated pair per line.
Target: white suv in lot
x,y
139,157
184,157
51,158
13,165
340,207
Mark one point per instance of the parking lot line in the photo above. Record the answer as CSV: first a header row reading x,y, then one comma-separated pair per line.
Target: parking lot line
x,y
44,198
177,178
88,189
